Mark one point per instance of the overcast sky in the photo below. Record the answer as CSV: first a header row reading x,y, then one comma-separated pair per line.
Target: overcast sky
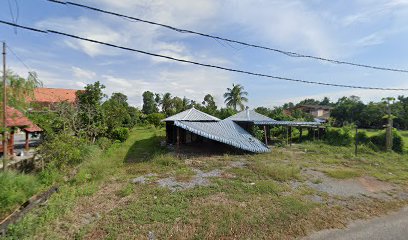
x,y
364,31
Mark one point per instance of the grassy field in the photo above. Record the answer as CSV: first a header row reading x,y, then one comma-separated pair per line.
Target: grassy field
x,y
243,196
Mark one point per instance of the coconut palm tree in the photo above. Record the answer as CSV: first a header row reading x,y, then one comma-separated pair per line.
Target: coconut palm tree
x,y
235,96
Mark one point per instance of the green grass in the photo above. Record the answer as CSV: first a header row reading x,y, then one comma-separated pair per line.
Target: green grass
x,y
253,202
15,189
342,173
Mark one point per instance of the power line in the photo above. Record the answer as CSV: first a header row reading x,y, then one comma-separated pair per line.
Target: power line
x,y
30,71
287,53
198,63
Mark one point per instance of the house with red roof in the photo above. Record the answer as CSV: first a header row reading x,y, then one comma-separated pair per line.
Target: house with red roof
x,y
50,97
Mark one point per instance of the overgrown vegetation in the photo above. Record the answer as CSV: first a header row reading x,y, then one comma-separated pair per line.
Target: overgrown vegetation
x,y
345,136
254,201
15,189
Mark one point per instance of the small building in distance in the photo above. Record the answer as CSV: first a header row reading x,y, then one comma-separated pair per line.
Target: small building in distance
x,y
16,120
319,112
193,127
50,97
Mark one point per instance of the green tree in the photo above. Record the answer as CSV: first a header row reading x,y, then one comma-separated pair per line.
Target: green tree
x,y
348,110
167,104
116,111
235,97
91,115
325,102
149,103
309,101
209,105
19,89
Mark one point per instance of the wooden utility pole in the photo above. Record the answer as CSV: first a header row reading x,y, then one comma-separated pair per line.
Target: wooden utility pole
x,y
356,142
4,110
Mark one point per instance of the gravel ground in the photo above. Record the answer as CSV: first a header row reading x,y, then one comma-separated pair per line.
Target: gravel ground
x,y
393,226
355,187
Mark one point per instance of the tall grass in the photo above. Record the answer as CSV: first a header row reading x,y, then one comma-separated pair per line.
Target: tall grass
x,y
15,189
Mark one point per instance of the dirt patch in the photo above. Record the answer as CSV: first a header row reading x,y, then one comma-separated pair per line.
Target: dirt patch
x,y
354,187
373,185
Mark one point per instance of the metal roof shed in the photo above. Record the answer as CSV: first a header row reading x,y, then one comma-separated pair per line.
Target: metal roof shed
x,y
192,115
226,132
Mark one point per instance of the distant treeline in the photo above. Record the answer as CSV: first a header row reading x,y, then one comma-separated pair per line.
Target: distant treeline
x,y
346,110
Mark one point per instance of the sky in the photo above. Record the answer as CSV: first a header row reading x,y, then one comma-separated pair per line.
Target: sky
x,y
373,32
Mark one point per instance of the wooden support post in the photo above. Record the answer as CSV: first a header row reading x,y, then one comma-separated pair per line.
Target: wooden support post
x,y
12,143
287,135
266,136
5,153
290,136
27,141
314,134
318,133
178,140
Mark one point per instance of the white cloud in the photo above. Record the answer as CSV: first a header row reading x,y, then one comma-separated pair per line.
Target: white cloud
x,y
370,40
80,73
88,28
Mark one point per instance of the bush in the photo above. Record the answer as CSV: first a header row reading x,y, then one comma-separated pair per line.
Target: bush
x,y
15,189
155,119
397,141
104,143
63,150
258,133
362,137
339,136
120,134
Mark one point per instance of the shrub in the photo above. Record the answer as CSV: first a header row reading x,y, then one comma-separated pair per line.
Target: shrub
x,y
258,133
15,189
155,119
64,149
397,141
120,134
104,143
339,136
362,137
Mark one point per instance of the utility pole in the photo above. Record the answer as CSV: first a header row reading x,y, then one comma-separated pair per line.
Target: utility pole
x,y
4,110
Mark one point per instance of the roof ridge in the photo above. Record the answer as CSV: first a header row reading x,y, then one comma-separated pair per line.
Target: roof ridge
x,y
57,88
189,112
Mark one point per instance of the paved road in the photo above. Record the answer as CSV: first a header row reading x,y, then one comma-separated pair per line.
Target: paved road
x,y
390,227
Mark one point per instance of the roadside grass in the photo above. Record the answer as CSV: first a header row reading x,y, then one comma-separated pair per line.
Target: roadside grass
x,y
101,167
15,189
253,201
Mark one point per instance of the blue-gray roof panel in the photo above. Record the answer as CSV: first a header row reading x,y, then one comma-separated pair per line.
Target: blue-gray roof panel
x,y
249,116
226,132
192,114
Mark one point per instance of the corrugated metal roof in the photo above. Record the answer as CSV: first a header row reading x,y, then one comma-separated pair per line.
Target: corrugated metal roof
x,y
249,116
227,132
290,123
192,115
259,119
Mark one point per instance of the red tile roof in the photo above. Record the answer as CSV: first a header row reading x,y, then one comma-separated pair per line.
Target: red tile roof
x,y
54,95
15,118
33,128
